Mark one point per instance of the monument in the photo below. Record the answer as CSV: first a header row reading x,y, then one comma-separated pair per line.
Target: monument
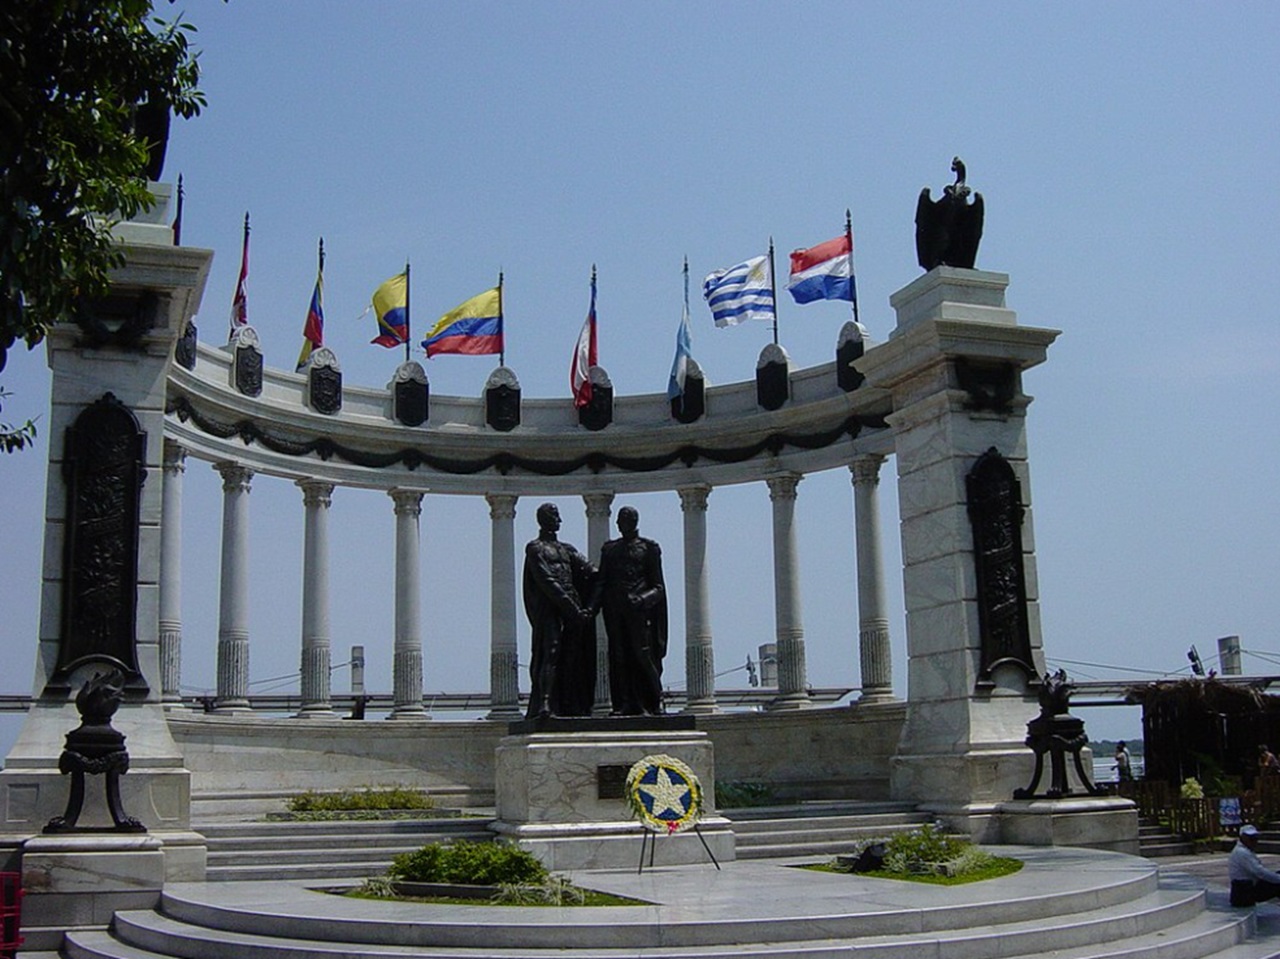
x,y
561,777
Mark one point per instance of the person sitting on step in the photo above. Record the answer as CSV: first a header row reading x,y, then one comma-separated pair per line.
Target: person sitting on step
x,y
1251,881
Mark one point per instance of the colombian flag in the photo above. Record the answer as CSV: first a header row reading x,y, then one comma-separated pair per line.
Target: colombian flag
x,y
391,304
474,328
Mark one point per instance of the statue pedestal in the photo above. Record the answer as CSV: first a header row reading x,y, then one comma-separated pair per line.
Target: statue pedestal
x,y
80,880
1098,823
561,796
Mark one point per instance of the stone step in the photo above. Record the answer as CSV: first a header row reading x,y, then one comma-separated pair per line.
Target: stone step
x,y
1162,850
820,808
1169,922
336,849
864,824
339,827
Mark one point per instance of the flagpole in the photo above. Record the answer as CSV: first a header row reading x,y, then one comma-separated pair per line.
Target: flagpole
x,y
853,277
408,330
177,220
773,291
320,269
502,331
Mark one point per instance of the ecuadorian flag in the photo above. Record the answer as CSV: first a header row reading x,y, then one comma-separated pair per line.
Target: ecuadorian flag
x,y
391,304
474,328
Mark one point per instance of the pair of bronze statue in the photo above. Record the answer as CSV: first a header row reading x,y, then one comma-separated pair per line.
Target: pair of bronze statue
x,y
563,594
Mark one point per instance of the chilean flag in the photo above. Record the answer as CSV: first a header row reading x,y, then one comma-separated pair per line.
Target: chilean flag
x,y
823,272
585,354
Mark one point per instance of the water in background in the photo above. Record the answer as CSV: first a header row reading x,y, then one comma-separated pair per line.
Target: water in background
x,y
1104,768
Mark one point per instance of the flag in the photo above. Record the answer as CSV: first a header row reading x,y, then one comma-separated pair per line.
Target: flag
x,y
584,354
742,292
474,328
391,304
313,328
684,347
823,272
240,302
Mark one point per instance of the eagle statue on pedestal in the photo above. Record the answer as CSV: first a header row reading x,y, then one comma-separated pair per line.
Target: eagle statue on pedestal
x,y
948,231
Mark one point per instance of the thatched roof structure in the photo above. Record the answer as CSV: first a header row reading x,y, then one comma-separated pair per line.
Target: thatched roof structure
x,y
1204,728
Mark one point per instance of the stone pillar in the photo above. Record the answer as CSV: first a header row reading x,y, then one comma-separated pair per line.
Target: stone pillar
x,y
407,665
316,497
233,604
953,367
874,653
793,682
699,655
599,507
504,668
171,576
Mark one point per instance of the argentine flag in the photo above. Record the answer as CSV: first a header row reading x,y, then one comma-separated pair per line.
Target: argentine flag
x,y
742,292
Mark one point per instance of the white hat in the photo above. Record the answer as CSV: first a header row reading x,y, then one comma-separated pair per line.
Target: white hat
x,y
1248,830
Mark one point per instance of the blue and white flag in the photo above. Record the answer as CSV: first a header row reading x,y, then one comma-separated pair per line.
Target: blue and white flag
x,y
684,353
742,292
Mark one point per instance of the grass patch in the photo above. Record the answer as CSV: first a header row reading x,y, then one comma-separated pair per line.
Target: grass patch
x,y
590,897
923,855
996,867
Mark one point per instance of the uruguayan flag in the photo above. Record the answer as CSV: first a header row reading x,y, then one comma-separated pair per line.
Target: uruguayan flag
x,y
742,292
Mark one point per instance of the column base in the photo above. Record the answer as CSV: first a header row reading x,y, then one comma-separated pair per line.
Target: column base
x,y
324,711
790,701
409,712
706,707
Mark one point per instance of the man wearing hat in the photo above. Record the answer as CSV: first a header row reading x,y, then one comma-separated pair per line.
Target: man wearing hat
x,y
1251,881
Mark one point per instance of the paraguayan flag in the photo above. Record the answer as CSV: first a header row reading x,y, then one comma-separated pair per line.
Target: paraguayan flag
x,y
742,292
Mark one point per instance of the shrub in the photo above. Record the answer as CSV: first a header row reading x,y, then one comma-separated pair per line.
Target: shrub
x,y
924,850
736,795
468,863
396,797
1191,789
552,891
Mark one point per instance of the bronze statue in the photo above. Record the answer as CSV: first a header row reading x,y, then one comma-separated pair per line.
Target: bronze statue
x,y
948,231
634,600
557,585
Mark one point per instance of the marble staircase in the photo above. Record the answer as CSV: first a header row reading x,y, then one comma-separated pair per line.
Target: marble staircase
x,y
1066,903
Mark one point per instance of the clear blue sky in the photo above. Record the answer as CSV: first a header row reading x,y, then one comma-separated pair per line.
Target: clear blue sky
x,y
1127,154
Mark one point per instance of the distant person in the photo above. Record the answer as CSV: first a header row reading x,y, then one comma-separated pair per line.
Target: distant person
x,y
1268,765
1251,881
1124,765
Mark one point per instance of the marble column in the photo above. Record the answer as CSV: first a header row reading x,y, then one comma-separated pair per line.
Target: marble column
x,y
599,507
316,497
699,655
171,575
407,664
504,668
793,683
874,653
233,605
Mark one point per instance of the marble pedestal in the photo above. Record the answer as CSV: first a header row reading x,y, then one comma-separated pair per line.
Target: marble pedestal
x,y
1098,823
80,880
559,796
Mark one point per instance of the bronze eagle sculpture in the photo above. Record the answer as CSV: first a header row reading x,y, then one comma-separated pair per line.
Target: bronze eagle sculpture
x,y
948,231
